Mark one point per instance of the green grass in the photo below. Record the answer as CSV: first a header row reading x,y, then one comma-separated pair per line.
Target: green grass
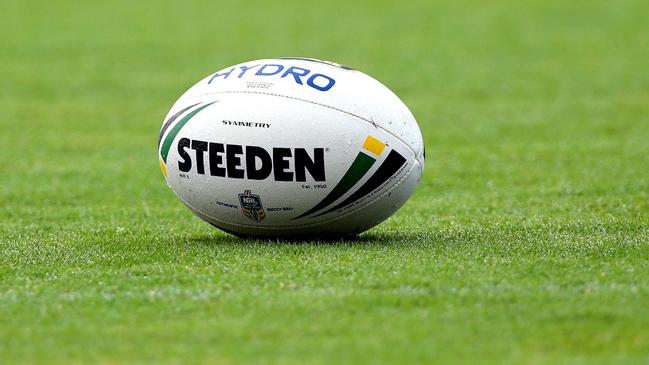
x,y
526,242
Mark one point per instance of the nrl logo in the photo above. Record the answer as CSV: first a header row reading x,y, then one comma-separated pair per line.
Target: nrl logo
x,y
251,206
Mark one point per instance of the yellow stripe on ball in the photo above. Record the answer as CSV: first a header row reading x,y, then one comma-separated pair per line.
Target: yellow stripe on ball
x,y
163,168
373,145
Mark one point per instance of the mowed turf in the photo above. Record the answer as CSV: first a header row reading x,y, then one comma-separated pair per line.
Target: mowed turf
x,y
527,240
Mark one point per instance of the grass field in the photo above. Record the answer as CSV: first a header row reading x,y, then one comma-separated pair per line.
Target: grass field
x,y
527,241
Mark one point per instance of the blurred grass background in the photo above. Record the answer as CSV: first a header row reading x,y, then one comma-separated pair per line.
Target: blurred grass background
x,y
526,242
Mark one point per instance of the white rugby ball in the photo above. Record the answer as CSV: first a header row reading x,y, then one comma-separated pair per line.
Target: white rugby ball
x,y
291,147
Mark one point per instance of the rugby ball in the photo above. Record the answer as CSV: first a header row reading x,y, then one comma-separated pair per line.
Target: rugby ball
x,y
291,147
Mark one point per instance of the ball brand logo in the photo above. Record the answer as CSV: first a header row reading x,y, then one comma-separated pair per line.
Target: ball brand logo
x,y
227,160
300,75
358,169
251,206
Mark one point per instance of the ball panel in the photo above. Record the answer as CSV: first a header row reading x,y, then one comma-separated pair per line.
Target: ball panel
x,y
354,221
352,91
